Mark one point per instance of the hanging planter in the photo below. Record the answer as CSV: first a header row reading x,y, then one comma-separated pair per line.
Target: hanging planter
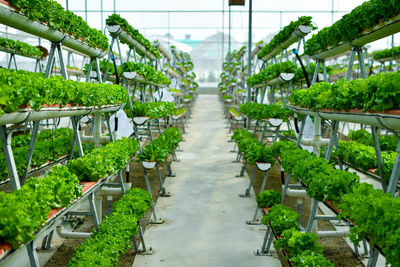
x,y
139,120
149,164
263,166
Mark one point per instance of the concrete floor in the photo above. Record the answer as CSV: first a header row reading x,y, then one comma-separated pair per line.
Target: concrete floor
x,y
205,218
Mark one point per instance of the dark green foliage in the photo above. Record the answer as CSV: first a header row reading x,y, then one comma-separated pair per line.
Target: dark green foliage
x,y
271,72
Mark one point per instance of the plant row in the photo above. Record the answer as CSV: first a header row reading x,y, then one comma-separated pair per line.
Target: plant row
x,y
21,89
393,52
104,161
47,149
301,248
115,233
20,47
284,35
24,211
273,71
116,19
148,72
158,150
259,111
386,142
370,209
377,93
56,17
351,25
252,149
364,157
153,110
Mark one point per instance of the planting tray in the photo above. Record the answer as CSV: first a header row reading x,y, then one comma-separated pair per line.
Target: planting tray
x,y
149,164
281,79
12,51
377,32
137,78
11,17
28,114
299,33
116,30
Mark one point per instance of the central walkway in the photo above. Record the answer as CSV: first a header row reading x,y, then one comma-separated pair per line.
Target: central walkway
x,y
205,218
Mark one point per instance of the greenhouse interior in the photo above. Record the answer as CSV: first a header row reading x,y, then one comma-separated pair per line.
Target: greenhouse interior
x,y
230,133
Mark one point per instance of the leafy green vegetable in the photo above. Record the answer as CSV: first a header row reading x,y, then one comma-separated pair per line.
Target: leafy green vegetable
x,y
281,218
104,161
311,258
386,142
295,242
159,149
268,198
263,111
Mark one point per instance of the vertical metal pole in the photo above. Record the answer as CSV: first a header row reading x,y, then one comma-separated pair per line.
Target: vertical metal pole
x,y
223,31
378,155
249,47
8,154
229,42
31,147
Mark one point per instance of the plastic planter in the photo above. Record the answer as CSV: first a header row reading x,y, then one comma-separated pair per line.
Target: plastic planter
x,y
149,164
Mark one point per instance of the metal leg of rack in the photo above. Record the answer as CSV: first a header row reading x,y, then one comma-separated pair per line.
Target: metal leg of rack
x,y
313,213
373,259
394,177
243,169
247,192
300,135
267,238
169,169
285,187
143,251
163,193
33,258
332,141
378,156
5,137
351,63
155,220
254,221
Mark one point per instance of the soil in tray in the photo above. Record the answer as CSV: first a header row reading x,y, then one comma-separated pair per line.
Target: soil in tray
x,y
335,248
66,250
